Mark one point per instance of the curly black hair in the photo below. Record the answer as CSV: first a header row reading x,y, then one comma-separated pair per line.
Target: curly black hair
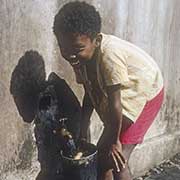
x,y
77,17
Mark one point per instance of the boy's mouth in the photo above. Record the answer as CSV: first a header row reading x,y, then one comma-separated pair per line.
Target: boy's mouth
x,y
75,63
78,63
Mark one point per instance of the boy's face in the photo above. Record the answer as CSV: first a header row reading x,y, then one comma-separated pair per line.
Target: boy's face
x,y
78,48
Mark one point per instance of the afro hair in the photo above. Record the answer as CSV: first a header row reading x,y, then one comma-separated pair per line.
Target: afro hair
x,y
77,17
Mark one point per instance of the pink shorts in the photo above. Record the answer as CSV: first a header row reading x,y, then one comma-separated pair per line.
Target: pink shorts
x,y
135,133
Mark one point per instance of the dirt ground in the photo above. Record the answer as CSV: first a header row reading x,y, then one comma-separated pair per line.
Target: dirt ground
x,y
168,170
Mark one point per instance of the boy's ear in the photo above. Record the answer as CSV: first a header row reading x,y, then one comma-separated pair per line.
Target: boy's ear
x,y
98,40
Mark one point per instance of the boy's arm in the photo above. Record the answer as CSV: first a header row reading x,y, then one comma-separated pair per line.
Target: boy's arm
x,y
87,109
115,124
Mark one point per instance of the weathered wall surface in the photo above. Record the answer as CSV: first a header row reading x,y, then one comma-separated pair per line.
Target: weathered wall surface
x,y
152,25
24,25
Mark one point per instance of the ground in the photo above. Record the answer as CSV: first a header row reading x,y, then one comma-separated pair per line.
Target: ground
x,y
168,170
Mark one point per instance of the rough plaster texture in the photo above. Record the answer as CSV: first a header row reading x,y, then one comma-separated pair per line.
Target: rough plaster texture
x,y
24,25
152,25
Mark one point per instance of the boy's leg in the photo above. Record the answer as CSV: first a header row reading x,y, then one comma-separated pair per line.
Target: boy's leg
x,y
133,133
136,131
105,172
125,173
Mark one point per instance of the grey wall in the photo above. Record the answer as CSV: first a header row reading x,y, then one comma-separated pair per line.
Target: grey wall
x,y
152,25
24,25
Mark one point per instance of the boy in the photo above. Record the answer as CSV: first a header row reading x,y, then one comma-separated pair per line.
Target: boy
x,y
122,83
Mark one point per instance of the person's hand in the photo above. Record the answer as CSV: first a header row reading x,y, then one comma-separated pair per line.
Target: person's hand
x,y
117,158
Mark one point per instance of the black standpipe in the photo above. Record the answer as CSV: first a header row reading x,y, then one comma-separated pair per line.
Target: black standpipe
x,y
83,167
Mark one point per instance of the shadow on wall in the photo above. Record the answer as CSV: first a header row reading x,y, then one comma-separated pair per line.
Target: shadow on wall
x,y
28,82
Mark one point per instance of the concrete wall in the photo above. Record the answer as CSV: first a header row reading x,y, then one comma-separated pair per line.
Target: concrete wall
x,y
152,25
24,25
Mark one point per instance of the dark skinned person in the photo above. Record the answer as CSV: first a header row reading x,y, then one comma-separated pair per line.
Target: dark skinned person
x,y
121,81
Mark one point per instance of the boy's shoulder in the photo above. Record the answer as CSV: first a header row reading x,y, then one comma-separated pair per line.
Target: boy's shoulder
x,y
112,44
112,47
110,40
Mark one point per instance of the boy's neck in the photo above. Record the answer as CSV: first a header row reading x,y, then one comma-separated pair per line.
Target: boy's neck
x,y
92,62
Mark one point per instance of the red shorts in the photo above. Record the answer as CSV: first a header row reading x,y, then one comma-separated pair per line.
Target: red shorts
x,y
135,133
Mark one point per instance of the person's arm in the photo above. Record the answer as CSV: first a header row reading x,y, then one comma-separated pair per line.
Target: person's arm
x,y
115,124
87,109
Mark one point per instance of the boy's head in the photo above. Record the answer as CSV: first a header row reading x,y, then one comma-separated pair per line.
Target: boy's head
x,y
77,28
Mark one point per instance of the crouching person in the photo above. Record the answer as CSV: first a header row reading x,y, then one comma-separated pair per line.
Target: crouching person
x,y
121,81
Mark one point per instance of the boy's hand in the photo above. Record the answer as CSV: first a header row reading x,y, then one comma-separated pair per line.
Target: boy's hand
x,y
118,160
